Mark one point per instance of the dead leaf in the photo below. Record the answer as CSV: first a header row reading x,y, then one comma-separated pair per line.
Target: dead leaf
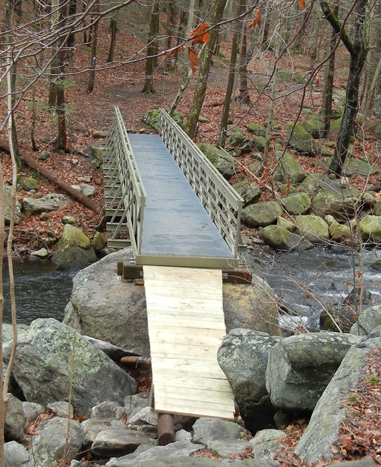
x,y
302,4
193,59
198,35
257,19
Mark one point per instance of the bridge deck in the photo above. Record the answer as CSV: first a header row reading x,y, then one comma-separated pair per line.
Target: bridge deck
x,y
186,325
175,222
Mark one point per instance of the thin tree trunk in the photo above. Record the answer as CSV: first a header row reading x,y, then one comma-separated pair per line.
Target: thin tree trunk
x,y
371,89
152,48
114,29
199,94
55,60
69,54
169,32
232,73
358,51
244,95
94,28
328,77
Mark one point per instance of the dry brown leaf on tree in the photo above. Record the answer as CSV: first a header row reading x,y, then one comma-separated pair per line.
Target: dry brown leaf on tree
x,y
199,34
257,19
302,4
193,59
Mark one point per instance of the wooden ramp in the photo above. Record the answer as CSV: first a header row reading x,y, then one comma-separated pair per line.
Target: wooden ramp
x,y
186,326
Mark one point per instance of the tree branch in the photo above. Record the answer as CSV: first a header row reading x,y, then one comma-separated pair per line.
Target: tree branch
x,y
338,27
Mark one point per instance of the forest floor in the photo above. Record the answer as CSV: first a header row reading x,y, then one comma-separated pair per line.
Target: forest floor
x,y
88,113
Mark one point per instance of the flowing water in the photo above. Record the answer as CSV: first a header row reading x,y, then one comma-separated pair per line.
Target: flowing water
x,y
41,291
303,282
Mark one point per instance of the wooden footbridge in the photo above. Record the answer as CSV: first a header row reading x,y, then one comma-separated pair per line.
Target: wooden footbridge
x,y
181,218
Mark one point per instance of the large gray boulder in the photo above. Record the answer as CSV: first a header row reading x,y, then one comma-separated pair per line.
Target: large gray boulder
x,y
312,228
118,441
15,455
243,358
279,238
250,307
179,449
42,368
367,321
49,445
296,203
15,421
314,125
323,429
261,214
250,192
289,168
8,206
74,250
300,367
222,162
208,429
370,228
50,202
106,307
301,140
329,202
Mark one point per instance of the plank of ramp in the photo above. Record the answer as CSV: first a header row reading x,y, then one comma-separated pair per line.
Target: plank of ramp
x,y
186,325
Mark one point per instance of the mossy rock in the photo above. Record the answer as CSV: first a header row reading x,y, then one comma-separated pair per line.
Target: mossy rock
x,y
376,129
339,97
349,169
248,191
312,228
152,119
256,129
315,126
280,238
30,184
370,228
364,168
261,214
259,143
335,125
236,137
223,162
289,168
301,140
256,168
285,223
297,203
339,232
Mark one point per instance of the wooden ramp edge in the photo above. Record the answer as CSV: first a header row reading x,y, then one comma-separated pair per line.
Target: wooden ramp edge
x,y
186,326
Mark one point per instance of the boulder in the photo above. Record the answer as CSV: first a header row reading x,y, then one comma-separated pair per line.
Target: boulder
x,y
339,232
32,410
49,445
99,242
42,368
314,125
348,170
297,203
50,202
314,183
208,429
339,97
285,223
118,442
92,426
300,367
376,129
257,130
113,351
370,228
324,427
15,422
368,320
228,449
335,125
87,190
152,119
261,214
243,358
301,140
237,138
8,204
312,228
339,205
106,307
16,455
74,250
107,409
279,238
250,307
364,168
289,168
222,162
288,75
256,168
159,455
250,192
30,184
259,143
61,408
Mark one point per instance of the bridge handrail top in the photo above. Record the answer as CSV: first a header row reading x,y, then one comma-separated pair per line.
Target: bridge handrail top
x,y
135,174
229,189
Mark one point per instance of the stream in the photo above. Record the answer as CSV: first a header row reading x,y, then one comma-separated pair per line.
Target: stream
x,y
303,282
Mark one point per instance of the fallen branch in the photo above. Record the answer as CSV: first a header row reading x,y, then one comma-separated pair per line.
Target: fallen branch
x,y
65,186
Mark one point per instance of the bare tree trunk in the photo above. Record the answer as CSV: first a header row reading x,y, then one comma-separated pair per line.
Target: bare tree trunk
x,y
328,77
152,48
113,29
55,63
358,51
232,73
69,54
199,94
244,95
171,14
94,28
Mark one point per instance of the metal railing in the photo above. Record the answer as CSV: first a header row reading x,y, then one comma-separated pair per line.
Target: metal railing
x,y
220,200
124,192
